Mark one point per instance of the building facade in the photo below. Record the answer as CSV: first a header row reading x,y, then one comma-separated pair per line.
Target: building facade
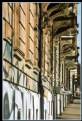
x,y
39,54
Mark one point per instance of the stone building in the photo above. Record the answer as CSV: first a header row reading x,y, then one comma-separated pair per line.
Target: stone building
x,y
39,52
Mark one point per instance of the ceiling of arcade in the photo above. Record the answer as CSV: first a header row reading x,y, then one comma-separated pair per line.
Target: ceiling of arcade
x,y
61,16
64,22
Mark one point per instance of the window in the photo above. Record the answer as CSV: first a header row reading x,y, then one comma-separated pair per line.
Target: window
x,y
51,107
21,80
37,10
24,80
7,71
26,111
7,51
10,15
36,114
33,106
22,15
29,114
62,72
31,56
45,113
18,114
6,107
15,75
10,4
18,76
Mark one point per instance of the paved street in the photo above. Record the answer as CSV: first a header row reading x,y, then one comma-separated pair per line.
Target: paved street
x,y
72,111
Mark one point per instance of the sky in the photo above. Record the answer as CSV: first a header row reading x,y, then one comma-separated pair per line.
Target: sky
x,y
79,29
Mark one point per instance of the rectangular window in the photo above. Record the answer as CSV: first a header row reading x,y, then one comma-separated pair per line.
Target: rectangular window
x,y
37,10
62,72
21,34
22,16
33,106
18,73
31,56
45,113
7,51
24,80
51,107
21,79
11,5
5,11
36,114
15,75
10,15
23,7
31,31
7,71
18,114
29,114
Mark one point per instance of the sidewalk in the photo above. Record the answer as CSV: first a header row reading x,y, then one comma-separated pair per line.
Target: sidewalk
x,y
72,111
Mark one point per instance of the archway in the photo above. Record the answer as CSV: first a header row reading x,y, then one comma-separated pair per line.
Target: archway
x,y
6,107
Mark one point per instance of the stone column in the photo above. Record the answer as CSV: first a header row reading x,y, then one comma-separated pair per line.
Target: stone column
x,y
43,52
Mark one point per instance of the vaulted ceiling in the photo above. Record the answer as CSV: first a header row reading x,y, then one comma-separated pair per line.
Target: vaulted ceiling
x,y
64,23
62,17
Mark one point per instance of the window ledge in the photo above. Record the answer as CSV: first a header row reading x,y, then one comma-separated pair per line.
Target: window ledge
x,y
28,63
9,78
44,77
18,53
36,70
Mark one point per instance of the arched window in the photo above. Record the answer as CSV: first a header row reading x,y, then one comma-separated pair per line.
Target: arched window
x,y
6,107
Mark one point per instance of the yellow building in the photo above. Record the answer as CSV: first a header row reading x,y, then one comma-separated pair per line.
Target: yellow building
x,y
36,51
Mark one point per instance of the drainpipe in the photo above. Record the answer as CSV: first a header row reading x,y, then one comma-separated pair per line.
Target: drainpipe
x,y
69,84
52,72
59,71
73,85
59,61
40,87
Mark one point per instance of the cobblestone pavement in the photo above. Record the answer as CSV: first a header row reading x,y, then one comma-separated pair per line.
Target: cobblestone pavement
x,y
72,111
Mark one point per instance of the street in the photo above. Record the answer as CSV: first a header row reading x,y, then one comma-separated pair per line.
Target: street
x,y
72,111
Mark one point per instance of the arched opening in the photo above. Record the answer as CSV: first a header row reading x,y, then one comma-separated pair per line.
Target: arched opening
x,y
54,12
6,107
51,5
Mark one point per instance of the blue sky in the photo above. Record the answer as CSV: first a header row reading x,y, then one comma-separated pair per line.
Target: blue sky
x,y
79,29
